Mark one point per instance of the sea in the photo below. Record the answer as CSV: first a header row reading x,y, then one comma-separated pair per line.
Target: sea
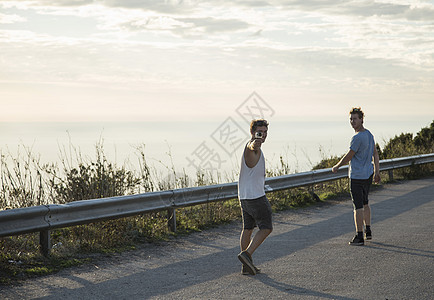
x,y
188,147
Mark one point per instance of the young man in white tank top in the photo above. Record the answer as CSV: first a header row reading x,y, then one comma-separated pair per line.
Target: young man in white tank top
x,y
255,207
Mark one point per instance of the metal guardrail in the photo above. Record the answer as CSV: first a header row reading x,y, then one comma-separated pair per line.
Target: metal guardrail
x,y
46,217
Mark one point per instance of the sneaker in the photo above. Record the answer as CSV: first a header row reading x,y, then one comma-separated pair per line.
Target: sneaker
x,y
244,270
356,241
368,235
246,259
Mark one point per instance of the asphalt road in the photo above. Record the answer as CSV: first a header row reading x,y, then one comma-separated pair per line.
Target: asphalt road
x,y
306,257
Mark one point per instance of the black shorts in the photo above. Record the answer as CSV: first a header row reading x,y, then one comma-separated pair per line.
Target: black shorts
x,y
256,212
359,189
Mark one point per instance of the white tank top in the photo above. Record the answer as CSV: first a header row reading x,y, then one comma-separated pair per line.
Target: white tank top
x,y
252,180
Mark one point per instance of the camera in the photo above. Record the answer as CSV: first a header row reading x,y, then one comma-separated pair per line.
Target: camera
x,y
258,135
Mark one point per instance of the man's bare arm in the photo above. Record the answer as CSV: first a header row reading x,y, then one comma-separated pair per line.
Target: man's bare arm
x,y
344,160
252,153
377,177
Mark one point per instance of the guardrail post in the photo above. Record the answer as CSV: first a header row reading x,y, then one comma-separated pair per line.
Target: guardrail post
x,y
45,242
171,215
391,175
313,194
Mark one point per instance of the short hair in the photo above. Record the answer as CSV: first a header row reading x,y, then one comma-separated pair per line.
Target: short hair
x,y
358,111
256,123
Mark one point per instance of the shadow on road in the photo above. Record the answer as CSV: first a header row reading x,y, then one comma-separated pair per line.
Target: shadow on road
x,y
292,290
399,249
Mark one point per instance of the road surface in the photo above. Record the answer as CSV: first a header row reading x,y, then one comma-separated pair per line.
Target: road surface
x,y
306,257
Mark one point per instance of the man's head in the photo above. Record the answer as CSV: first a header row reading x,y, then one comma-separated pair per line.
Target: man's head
x,y
358,111
261,126
356,118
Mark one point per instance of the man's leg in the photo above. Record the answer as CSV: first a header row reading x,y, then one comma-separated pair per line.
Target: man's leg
x,y
245,257
356,189
367,215
367,221
367,209
257,240
245,238
358,219
261,216
358,222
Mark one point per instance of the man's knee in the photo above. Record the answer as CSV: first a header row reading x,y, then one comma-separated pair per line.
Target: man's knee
x,y
267,231
247,231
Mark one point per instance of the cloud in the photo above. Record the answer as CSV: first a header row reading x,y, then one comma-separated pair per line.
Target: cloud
x,y
350,39
168,6
202,27
10,19
63,3
194,27
393,9
420,14
212,25
371,8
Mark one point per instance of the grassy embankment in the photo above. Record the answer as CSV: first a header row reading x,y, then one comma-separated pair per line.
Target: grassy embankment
x,y
26,182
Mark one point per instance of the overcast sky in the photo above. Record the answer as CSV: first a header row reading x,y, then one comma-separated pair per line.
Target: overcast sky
x,y
131,60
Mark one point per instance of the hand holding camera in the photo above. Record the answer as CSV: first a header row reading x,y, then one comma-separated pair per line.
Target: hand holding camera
x,y
256,142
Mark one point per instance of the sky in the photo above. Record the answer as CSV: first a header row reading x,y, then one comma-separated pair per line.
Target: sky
x,y
130,60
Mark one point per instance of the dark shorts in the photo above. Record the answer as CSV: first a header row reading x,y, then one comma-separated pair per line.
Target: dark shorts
x,y
359,189
256,212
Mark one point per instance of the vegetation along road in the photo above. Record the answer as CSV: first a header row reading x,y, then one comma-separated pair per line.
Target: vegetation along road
x,y
306,257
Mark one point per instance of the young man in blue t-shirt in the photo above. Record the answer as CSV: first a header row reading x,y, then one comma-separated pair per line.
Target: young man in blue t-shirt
x,y
361,171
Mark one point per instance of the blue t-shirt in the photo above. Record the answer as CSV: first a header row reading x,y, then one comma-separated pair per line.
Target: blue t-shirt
x,y
361,166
